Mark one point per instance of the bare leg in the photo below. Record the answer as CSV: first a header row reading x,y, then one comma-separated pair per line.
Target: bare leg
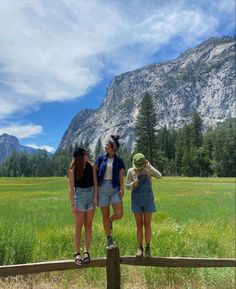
x,y
118,211
106,220
139,227
79,221
147,225
88,229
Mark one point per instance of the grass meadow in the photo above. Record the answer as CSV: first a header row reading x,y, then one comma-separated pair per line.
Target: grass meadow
x,y
195,218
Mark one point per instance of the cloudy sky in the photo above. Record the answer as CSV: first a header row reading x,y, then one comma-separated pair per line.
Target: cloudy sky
x,y
58,56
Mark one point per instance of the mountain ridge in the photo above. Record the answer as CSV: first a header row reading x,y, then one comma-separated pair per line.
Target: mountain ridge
x,y
201,79
10,144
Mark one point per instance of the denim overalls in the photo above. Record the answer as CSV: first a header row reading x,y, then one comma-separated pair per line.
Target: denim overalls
x,y
142,199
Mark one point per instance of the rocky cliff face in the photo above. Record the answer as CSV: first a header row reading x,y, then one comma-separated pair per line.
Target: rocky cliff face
x,y
10,144
201,79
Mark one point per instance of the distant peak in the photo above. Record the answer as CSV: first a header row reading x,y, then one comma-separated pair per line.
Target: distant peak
x,y
217,40
212,41
6,136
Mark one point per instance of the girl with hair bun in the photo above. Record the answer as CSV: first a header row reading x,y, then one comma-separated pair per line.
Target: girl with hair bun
x,y
110,172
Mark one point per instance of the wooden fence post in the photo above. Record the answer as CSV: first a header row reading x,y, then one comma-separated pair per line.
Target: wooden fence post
x,y
113,267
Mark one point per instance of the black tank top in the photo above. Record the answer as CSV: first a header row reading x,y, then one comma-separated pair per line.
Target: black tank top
x,y
87,179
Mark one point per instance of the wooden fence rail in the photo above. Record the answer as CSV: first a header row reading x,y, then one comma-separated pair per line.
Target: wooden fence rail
x,y
112,263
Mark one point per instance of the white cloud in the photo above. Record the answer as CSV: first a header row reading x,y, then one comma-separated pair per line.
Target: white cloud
x,y
22,131
57,50
49,149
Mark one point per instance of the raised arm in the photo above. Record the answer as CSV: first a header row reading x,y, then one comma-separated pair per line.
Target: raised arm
x,y
153,172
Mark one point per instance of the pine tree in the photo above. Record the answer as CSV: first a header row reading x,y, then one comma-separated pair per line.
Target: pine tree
x,y
223,151
166,142
187,154
196,130
145,129
126,156
182,148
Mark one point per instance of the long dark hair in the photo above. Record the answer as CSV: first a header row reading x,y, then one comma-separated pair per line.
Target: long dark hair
x,y
77,165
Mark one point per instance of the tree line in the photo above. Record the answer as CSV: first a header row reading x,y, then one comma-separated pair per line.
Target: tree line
x,y
188,151
35,165
42,164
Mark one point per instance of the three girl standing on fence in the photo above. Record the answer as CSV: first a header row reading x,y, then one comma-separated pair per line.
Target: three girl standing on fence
x,y
108,174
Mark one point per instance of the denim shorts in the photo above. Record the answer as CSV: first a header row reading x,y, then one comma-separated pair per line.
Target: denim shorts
x,y
83,198
108,195
137,206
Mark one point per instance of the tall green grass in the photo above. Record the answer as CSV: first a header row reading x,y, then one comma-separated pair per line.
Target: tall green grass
x,y
195,218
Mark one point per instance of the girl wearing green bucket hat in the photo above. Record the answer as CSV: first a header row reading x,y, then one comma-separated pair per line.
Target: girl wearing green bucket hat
x,y
142,199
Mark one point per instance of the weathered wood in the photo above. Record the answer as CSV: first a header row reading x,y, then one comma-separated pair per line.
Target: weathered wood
x,y
178,262
113,268
21,269
113,265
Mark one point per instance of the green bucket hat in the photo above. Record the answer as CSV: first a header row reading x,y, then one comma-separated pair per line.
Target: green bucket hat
x,y
139,161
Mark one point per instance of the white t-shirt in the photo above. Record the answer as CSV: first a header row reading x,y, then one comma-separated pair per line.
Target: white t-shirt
x,y
108,172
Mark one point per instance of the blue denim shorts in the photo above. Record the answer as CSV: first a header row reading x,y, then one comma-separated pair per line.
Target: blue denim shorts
x,y
143,207
83,198
108,195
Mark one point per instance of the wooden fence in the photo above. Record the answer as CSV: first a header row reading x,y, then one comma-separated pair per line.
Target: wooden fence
x,y
112,263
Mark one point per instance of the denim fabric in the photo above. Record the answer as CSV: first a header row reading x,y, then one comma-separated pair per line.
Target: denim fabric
x,y
107,194
83,198
118,164
142,199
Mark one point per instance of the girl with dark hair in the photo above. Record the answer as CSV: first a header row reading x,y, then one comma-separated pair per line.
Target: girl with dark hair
x,y
110,172
83,198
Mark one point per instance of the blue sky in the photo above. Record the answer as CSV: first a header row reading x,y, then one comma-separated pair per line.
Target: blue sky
x,y
58,56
